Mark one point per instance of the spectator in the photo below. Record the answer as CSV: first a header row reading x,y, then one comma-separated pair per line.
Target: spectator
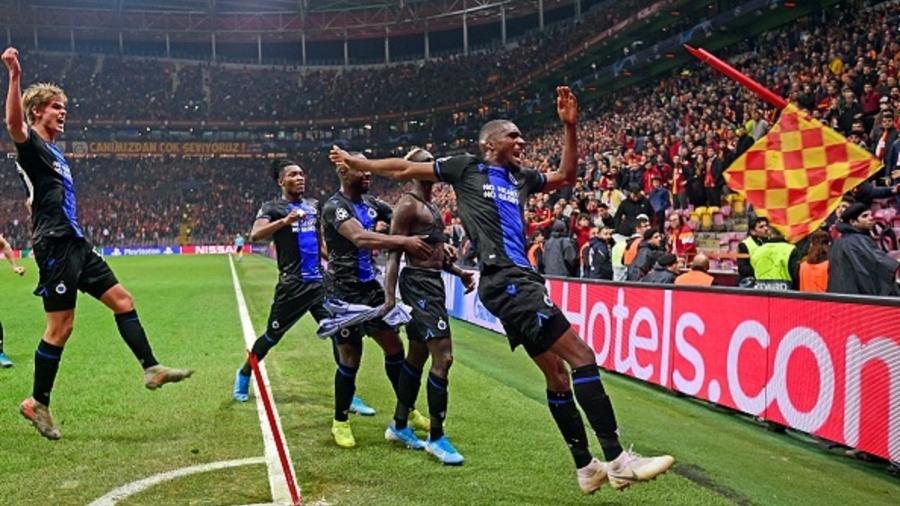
x,y
855,264
759,232
830,223
599,255
713,179
629,210
883,136
634,243
560,255
648,253
664,271
660,200
681,240
698,275
603,218
776,263
814,268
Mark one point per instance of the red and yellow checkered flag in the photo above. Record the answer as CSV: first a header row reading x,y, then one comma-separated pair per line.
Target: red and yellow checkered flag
x,y
797,173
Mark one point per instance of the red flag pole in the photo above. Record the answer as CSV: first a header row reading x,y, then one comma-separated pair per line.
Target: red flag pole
x,y
744,80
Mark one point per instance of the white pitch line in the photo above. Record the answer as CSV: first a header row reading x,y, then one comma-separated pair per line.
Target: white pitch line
x,y
280,492
135,487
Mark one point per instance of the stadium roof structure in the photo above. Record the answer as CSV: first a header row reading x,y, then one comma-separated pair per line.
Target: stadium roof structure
x,y
321,19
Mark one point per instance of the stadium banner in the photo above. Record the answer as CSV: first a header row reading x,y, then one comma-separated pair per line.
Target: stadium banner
x,y
190,249
141,251
468,306
215,249
162,148
826,367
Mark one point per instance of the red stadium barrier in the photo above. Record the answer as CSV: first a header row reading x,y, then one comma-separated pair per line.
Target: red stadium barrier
x,y
825,366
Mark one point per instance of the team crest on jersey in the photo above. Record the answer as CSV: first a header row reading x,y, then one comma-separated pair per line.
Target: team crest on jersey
x,y
345,333
341,214
276,325
548,301
373,213
61,288
442,325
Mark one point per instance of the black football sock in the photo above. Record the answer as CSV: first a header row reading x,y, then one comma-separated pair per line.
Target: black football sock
x,y
407,391
344,388
437,405
596,405
46,364
261,348
132,332
568,419
393,364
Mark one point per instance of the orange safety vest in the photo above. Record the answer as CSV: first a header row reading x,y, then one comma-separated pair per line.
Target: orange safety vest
x,y
814,277
631,252
532,254
694,278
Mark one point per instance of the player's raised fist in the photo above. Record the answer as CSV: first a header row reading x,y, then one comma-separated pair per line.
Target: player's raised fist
x,y
11,60
295,216
566,105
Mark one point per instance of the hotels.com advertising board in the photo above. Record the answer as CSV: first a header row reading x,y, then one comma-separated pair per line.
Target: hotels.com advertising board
x,y
826,367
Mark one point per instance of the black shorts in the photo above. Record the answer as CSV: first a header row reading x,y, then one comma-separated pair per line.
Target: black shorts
x,y
66,264
423,289
370,294
293,298
238,249
519,299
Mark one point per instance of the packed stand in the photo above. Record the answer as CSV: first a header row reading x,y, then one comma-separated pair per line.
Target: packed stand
x,y
651,192
109,87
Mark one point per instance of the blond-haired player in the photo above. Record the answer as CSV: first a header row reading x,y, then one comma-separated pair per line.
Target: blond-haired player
x,y
66,261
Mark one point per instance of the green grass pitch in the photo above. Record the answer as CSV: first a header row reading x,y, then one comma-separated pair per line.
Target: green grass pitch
x,y
116,432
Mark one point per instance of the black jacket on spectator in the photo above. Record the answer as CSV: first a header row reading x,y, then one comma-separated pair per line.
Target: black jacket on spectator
x,y
599,260
857,266
559,252
659,274
646,258
627,213
867,192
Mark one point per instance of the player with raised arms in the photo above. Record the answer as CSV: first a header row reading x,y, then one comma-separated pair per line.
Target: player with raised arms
x,y
491,191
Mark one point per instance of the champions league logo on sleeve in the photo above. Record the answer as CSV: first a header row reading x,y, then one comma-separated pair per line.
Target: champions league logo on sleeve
x,y
341,214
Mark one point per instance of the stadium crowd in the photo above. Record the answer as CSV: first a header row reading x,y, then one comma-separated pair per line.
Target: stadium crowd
x,y
106,87
653,156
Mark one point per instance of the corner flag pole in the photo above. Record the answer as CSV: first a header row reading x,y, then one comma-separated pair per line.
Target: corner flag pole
x,y
276,432
742,79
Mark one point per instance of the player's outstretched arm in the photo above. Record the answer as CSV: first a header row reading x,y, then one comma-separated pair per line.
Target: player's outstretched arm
x,y
15,117
354,232
10,256
394,168
567,109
